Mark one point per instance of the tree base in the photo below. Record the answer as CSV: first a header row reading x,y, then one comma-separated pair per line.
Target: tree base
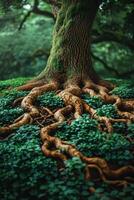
x,y
71,92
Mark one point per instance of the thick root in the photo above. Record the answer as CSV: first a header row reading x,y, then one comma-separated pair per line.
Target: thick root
x,y
31,85
49,140
104,93
69,98
25,119
27,105
71,95
63,149
106,84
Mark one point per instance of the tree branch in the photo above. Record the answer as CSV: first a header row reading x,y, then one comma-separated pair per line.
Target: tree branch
x,y
53,2
108,36
128,73
105,64
40,52
24,19
35,10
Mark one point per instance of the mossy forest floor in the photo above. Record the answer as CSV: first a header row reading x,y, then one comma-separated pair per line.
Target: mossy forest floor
x,y
25,173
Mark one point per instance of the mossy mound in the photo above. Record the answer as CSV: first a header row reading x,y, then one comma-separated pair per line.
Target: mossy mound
x,y
26,174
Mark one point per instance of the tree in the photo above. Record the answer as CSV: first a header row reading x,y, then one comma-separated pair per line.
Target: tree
x,y
70,73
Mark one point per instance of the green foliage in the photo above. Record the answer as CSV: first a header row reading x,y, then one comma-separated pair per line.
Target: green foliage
x,y
8,98
51,100
12,83
108,110
84,134
8,113
27,53
85,122
130,130
120,127
120,82
8,116
115,29
27,174
112,193
95,102
124,91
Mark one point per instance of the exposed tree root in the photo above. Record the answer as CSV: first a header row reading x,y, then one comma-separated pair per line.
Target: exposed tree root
x,y
59,149
62,149
31,85
24,119
27,105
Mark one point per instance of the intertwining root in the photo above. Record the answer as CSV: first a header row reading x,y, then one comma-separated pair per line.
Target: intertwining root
x,y
59,149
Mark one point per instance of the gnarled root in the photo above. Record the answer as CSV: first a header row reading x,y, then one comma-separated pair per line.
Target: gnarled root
x,y
24,119
53,141
31,85
54,147
121,105
27,105
59,149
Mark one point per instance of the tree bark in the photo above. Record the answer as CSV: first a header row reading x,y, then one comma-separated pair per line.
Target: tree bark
x,y
70,53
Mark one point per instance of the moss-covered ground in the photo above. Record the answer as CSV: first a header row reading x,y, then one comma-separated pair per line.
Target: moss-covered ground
x,y
26,174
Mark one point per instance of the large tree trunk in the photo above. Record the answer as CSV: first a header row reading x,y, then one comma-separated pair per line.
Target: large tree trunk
x,y
70,53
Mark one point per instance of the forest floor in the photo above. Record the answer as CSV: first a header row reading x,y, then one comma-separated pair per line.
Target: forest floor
x,y
26,174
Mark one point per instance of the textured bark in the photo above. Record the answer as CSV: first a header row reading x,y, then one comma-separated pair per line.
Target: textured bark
x,y
70,53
